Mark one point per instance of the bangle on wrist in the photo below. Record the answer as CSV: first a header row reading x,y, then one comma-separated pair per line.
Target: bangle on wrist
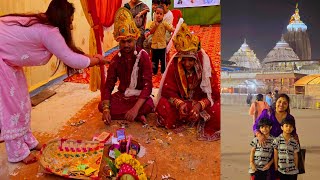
x,y
178,102
106,105
203,105
106,110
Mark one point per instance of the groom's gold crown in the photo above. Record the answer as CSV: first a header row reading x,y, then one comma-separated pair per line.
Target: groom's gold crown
x,y
124,25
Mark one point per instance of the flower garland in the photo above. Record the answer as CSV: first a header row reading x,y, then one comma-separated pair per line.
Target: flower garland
x,y
128,159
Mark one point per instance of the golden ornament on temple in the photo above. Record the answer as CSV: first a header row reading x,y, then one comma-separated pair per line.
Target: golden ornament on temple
x,y
295,18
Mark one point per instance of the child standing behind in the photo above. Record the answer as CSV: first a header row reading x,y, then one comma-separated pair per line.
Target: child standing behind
x,y
158,29
286,150
148,37
261,156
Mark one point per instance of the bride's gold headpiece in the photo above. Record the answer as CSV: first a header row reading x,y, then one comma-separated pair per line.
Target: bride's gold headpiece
x,y
185,41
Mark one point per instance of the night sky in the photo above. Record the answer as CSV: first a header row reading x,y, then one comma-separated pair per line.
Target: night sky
x,y
262,22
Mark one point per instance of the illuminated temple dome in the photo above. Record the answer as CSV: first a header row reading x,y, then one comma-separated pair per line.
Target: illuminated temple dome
x,y
281,52
245,57
297,36
282,56
295,23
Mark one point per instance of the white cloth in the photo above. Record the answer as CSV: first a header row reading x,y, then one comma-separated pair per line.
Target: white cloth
x,y
131,90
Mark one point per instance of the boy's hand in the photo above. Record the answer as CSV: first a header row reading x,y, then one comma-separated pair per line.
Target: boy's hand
x,y
138,15
266,167
261,139
253,166
296,137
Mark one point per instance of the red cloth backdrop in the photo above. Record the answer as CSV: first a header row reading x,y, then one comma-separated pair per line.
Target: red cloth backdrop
x,y
107,10
102,13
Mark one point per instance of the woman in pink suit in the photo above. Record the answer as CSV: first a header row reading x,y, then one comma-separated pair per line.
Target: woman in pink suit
x,y
30,40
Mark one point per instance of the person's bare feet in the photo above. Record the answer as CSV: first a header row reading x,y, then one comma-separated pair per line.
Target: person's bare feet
x,y
29,159
38,147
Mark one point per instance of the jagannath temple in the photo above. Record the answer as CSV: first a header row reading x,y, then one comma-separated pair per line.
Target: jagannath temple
x,y
282,56
245,57
284,65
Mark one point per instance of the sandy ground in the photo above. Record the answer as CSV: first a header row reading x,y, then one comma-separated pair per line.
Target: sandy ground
x,y
179,155
237,135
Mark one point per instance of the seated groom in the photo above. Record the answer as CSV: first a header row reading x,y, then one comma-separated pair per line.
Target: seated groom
x,y
132,67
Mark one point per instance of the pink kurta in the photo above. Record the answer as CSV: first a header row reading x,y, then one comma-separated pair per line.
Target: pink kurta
x,y
121,69
25,46
255,113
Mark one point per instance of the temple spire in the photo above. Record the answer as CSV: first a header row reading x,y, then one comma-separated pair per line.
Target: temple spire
x,y
295,23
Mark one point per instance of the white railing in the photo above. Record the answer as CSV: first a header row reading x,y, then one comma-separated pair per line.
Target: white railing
x,y
296,100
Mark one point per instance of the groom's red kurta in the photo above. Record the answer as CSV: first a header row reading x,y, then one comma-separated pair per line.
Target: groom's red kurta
x,y
120,69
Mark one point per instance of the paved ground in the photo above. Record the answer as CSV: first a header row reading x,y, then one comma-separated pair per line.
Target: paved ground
x,y
237,134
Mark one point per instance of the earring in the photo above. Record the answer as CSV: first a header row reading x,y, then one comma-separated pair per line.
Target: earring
x,y
135,50
119,54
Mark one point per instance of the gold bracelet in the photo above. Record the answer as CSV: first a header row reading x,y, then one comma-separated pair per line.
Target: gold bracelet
x,y
106,110
105,105
179,102
203,105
